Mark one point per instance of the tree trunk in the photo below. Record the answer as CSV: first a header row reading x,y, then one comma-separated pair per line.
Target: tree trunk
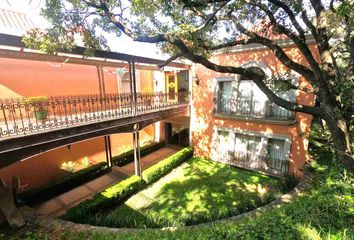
x,y
341,139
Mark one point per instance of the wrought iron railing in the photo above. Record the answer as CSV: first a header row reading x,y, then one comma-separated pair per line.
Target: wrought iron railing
x,y
25,115
253,109
260,162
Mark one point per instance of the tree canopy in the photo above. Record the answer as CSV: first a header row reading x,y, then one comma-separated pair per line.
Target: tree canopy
x,y
195,29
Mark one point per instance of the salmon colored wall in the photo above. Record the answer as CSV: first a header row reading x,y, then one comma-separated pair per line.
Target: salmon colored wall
x,y
146,81
45,167
36,78
203,121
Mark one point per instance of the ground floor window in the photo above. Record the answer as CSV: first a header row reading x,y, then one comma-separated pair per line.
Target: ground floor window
x,y
252,150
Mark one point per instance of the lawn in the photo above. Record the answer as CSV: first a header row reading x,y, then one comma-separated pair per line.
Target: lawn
x,y
324,211
197,191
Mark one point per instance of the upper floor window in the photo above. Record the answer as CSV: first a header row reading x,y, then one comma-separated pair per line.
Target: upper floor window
x,y
242,97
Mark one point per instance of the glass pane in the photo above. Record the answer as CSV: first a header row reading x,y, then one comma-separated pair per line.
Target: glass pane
x,y
225,96
240,153
248,151
222,146
276,155
259,101
244,97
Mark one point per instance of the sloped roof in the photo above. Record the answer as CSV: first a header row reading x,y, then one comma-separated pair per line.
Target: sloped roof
x,y
15,23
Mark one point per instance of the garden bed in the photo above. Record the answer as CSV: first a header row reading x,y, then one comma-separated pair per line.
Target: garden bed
x,y
128,156
72,180
197,191
113,196
63,184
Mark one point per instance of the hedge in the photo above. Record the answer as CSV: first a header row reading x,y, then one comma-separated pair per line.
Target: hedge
x,y
117,194
165,166
34,196
128,156
106,200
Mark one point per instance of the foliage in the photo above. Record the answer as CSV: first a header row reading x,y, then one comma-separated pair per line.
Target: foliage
x,y
85,162
323,211
198,191
128,156
63,184
69,166
163,167
113,196
36,99
105,200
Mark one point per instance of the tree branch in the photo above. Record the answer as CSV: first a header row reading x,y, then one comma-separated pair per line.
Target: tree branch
x,y
299,41
309,23
172,58
125,29
279,53
251,75
292,17
211,16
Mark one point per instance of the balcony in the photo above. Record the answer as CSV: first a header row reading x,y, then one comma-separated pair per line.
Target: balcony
x,y
32,115
251,109
31,126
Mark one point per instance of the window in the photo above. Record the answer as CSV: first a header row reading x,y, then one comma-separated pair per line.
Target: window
x,y
251,100
225,92
276,155
223,146
248,150
252,151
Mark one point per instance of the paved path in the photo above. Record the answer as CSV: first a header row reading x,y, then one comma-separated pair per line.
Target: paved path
x,y
60,204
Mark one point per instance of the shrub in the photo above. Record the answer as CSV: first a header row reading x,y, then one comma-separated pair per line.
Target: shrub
x,y
128,156
117,194
289,183
163,167
63,184
106,200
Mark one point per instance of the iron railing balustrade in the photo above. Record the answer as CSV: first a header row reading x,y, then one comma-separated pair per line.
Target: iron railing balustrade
x,y
24,116
252,109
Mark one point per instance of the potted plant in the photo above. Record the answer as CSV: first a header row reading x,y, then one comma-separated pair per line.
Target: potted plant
x,y
40,112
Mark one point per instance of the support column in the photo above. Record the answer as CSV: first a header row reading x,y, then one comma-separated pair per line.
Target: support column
x,y
108,150
131,87
99,81
137,159
134,89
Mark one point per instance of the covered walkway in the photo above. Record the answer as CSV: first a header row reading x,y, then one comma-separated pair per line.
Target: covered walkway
x,y
60,204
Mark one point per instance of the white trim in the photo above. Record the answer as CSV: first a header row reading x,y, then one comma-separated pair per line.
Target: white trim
x,y
263,66
252,133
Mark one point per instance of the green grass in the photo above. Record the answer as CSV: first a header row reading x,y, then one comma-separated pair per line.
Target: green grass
x,y
115,195
324,211
198,191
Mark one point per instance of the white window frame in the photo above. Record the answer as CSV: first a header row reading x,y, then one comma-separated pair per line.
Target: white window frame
x,y
264,141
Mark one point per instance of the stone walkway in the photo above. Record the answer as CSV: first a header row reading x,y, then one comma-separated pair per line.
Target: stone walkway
x,y
60,204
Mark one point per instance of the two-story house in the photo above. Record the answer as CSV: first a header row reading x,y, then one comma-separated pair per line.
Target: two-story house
x,y
232,121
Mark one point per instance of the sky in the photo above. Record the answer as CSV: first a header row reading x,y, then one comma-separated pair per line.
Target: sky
x,y
123,44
